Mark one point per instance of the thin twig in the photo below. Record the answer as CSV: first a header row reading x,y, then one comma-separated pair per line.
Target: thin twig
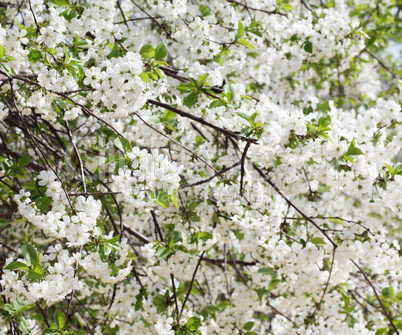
x,y
200,120
293,205
192,282
176,142
70,135
388,316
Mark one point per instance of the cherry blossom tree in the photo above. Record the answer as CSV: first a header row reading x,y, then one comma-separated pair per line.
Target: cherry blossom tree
x,y
200,167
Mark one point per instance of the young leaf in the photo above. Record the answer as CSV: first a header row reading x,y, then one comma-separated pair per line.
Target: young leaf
x,y
34,56
147,51
160,51
246,44
2,51
308,47
240,30
144,76
16,265
59,318
191,99
217,103
61,2
122,143
248,325
168,115
163,199
30,254
193,324
42,203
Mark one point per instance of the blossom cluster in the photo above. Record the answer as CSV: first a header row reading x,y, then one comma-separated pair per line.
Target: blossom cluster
x,y
200,167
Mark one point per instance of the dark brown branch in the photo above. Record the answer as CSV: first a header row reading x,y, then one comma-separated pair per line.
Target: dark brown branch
x,y
191,283
176,142
243,157
157,227
200,120
176,311
292,205
381,63
106,311
275,11
388,316
203,181
70,135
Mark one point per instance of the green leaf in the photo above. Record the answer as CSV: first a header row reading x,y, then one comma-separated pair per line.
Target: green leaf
x,y
204,10
18,303
168,115
199,140
318,240
240,30
114,52
388,292
34,276
160,51
8,308
390,169
131,256
174,200
16,265
122,143
324,107
266,271
324,135
185,87
42,203
66,56
193,323
255,32
160,302
26,307
144,76
352,150
24,325
163,199
324,122
336,221
147,51
138,302
30,254
103,252
201,80
249,325
163,252
191,99
114,158
253,23
34,56
9,59
61,2
49,331
252,118
204,236
246,44
2,51
308,47
217,103
59,318
381,331
244,116
286,7
24,160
